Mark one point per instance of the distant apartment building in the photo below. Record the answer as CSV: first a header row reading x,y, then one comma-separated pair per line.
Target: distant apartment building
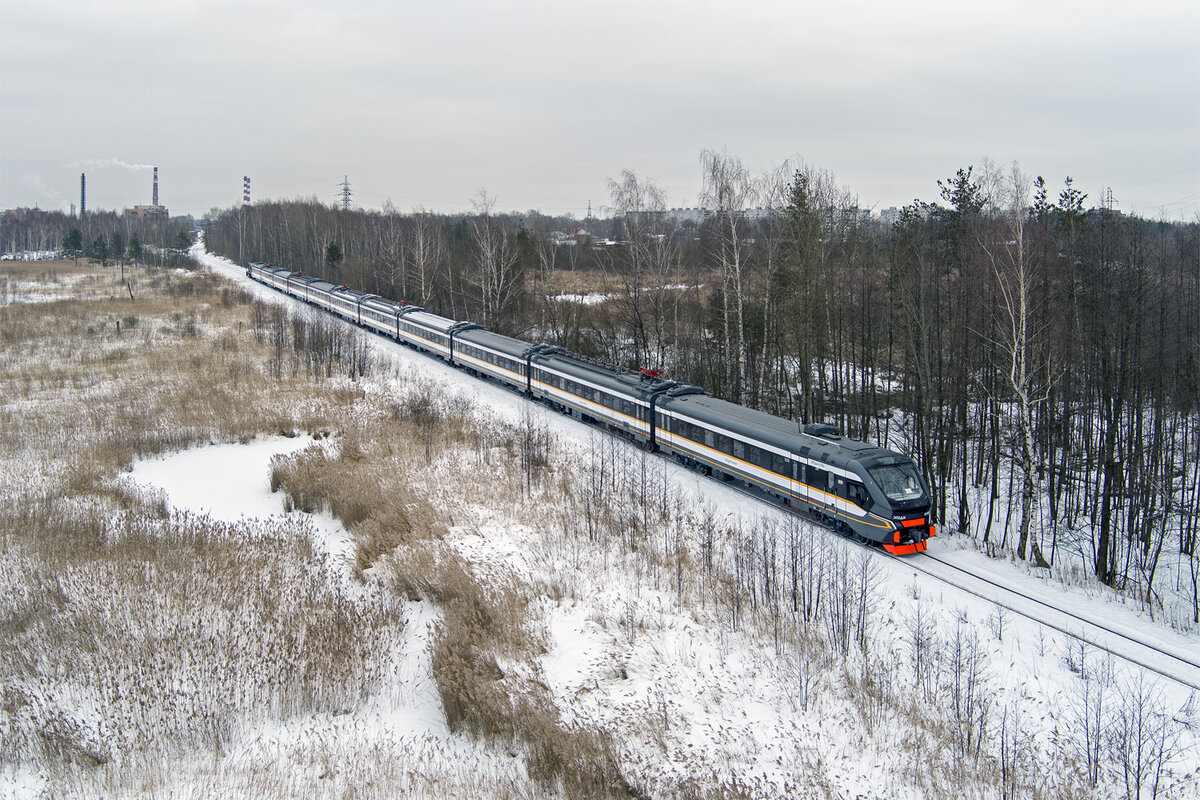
x,y
147,213
151,212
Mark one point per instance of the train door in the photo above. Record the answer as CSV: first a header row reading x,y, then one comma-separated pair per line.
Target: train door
x,y
795,489
854,492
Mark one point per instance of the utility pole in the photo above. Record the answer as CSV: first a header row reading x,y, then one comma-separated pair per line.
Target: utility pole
x,y
345,184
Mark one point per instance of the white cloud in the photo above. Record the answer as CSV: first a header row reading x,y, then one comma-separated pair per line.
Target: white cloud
x,y
541,101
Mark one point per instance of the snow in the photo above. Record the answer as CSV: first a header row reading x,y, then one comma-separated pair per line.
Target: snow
x,y
595,298
583,299
230,482
1083,615
681,692
31,255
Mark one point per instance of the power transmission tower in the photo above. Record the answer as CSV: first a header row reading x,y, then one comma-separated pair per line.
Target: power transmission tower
x,y
242,217
345,184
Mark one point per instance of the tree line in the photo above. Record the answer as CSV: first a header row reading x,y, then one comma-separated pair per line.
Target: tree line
x,y
101,236
1045,355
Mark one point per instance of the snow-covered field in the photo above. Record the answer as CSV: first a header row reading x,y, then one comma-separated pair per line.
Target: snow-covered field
x,y
723,699
688,651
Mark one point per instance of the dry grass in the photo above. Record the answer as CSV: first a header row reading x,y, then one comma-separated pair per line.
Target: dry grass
x,y
160,636
130,637
380,487
125,630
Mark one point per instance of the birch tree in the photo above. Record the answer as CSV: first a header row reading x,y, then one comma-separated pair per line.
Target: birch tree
x,y
728,191
649,256
1014,273
425,254
497,263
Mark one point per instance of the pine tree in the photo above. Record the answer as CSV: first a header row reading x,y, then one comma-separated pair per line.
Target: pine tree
x,y
116,247
73,245
333,258
99,251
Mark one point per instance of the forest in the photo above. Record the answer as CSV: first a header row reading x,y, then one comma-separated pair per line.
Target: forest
x,y
1039,356
103,236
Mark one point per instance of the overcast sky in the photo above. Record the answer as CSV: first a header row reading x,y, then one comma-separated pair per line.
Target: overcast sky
x,y
538,103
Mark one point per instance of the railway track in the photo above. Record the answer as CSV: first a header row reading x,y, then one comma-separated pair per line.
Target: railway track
x,y
1169,662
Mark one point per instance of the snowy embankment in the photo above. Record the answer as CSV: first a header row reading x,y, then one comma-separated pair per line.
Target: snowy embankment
x,y
403,725
686,694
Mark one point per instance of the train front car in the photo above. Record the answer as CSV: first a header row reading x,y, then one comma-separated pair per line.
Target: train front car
x,y
864,491
900,493
871,493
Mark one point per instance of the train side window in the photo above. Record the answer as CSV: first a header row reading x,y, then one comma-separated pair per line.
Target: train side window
x,y
817,477
758,457
857,493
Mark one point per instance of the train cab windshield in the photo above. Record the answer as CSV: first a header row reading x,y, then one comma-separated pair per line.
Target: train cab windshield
x,y
899,481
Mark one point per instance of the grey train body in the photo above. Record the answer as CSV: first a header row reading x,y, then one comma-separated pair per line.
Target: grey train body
x,y
867,492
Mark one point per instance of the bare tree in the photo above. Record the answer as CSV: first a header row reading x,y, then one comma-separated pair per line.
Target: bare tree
x,y
1014,272
649,256
391,253
534,440
496,261
728,192
1144,739
425,255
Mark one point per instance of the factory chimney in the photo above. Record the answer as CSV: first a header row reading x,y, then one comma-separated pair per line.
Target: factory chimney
x,y
155,202
82,194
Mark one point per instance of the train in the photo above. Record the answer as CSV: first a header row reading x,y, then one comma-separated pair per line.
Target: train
x,y
869,493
